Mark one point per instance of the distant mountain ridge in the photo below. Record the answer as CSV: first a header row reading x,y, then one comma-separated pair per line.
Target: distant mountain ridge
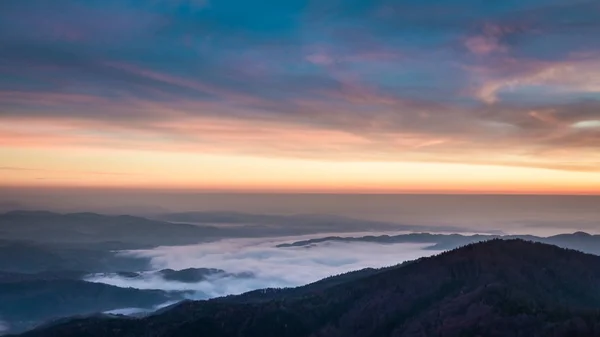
x,y
289,224
34,257
118,232
581,241
105,231
495,288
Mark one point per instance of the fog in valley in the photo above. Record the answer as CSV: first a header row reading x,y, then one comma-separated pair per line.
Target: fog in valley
x,y
261,264
128,253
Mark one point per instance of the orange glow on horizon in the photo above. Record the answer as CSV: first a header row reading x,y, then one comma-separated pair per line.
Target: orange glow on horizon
x,y
227,155
127,169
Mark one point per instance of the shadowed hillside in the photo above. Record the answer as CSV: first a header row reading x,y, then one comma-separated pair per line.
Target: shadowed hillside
x,y
494,288
28,300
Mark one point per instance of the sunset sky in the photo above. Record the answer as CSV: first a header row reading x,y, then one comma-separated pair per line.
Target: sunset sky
x,y
287,95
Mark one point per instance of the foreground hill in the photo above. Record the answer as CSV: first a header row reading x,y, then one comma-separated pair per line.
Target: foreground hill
x,y
28,300
494,288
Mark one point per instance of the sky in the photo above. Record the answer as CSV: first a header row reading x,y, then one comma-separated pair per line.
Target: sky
x,y
426,96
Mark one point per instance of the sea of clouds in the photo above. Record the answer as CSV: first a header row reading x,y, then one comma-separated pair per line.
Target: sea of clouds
x,y
271,266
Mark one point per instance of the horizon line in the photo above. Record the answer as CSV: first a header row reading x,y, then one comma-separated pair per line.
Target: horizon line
x,y
302,191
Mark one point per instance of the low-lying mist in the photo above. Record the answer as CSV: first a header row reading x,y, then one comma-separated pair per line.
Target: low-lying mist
x,y
267,265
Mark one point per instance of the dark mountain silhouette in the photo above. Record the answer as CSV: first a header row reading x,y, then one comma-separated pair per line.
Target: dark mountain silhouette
x,y
128,274
494,288
581,241
188,275
30,300
193,275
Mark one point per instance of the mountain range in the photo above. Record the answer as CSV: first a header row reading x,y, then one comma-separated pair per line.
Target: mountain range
x,y
492,288
295,224
37,241
118,232
581,241
99,231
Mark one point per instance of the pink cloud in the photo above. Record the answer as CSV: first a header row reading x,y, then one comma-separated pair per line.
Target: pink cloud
x,y
374,56
194,84
484,45
48,98
320,59
489,41
578,75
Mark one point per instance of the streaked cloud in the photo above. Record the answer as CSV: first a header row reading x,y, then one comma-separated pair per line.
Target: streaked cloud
x,y
508,84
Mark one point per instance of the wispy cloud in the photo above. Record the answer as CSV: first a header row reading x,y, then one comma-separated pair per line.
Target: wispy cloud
x,y
387,81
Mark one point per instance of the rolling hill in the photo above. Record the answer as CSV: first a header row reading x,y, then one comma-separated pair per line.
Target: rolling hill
x,y
29,300
493,288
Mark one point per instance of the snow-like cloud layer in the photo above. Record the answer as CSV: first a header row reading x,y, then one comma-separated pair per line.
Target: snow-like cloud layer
x,y
271,266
